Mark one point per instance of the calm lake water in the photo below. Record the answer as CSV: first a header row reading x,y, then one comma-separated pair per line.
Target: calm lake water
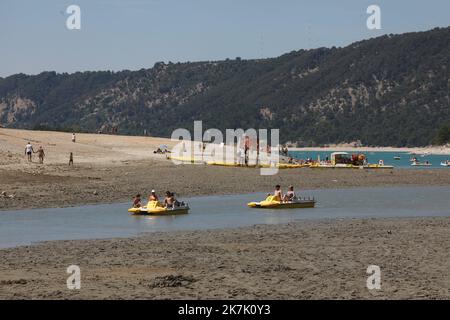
x,y
112,220
387,157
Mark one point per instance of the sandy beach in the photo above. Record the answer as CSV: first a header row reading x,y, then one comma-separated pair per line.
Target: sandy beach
x,y
114,168
304,260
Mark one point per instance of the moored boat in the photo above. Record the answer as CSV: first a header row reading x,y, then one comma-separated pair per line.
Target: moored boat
x,y
421,164
378,166
279,165
343,160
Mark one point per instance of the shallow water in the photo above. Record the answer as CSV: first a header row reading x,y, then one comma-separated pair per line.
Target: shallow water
x,y
112,220
387,157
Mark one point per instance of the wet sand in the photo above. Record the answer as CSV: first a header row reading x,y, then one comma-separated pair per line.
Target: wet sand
x,y
305,260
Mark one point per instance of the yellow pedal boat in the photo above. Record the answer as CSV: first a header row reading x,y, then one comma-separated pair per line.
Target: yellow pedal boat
x,y
270,203
154,208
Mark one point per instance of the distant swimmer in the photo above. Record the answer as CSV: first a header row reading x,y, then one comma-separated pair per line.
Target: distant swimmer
x,y
73,137
290,195
71,159
29,151
41,155
137,201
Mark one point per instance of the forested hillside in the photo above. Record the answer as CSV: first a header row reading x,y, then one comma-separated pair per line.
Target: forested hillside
x,y
388,91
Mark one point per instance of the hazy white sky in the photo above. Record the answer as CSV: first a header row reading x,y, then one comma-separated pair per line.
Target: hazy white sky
x,y
135,34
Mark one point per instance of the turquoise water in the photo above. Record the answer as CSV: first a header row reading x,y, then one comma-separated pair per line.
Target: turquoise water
x,y
112,220
387,157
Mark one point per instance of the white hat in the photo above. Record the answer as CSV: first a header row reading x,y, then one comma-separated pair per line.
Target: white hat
x,y
153,191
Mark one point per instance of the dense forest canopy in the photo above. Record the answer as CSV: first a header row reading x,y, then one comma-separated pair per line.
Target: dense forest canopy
x,y
387,91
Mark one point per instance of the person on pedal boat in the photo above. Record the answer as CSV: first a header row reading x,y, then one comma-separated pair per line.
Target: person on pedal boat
x,y
137,201
153,196
278,194
290,195
169,201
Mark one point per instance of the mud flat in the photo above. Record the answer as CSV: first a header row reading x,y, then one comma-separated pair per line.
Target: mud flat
x,y
306,260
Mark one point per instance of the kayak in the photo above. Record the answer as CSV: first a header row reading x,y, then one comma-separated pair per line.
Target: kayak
x,y
196,160
279,165
292,166
229,164
154,208
378,166
445,164
270,203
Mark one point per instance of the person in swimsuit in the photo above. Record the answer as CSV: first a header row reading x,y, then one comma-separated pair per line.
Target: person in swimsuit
x,y
73,137
169,201
29,151
41,155
137,201
278,194
71,159
153,196
290,195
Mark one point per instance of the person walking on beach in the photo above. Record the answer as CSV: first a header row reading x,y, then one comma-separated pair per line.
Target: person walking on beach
x,y
29,151
41,155
71,159
73,137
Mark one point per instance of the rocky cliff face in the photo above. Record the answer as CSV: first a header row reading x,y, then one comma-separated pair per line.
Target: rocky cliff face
x,y
15,108
392,90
